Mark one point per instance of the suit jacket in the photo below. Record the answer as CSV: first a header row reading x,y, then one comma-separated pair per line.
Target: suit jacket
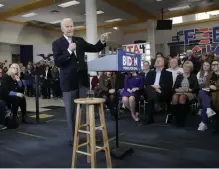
x,y
73,69
166,81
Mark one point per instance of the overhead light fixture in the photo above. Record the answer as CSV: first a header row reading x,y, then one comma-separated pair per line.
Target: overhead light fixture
x,y
55,22
116,28
114,20
99,12
179,8
70,3
158,0
29,15
1,5
214,13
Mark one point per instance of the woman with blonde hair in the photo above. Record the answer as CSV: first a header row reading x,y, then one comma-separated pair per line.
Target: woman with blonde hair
x,y
185,89
12,91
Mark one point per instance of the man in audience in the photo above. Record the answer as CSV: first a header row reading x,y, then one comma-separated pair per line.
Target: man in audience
x,y
158,87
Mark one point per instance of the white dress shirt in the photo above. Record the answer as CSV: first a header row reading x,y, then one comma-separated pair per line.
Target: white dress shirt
x,y
157,79
69,39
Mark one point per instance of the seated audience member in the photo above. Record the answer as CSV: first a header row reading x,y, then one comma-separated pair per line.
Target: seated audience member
x,y
107,89
190,57
133,85
202,74
159,54
158,87
209,96
146,69
95,81
175,69
185,89
12,91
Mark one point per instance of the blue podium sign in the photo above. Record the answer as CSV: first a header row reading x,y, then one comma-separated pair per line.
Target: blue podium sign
x,y
128,61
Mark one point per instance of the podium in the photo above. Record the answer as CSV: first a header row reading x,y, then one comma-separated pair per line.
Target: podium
x,y
121,62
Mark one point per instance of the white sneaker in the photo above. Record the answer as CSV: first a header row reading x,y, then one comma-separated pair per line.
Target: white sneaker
x,y
199,112
210,112
202,127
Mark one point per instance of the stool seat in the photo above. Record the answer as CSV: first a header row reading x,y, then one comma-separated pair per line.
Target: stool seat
x,y
89,100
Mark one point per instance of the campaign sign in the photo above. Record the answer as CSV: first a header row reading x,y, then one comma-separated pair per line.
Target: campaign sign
x,y
128,61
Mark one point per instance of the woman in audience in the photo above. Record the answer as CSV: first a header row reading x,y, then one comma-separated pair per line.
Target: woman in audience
x,y
107,89
202,74
185,89
13,91
210,96
133,85
175,69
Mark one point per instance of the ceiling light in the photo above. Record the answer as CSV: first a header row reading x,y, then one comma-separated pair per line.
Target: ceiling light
x,y
214,13
70,3
114,20
179,8
1,5
55,22
116,28
29,15
158,0
99,12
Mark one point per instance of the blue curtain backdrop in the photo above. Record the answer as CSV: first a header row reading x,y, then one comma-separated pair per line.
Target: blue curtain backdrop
x,y
26,54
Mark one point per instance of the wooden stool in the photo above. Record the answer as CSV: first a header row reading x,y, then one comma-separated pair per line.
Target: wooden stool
x,y
92,149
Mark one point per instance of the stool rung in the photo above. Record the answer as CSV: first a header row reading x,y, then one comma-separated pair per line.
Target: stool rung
x,y
100,148
83,131
99,128
84,125
83,144
84,153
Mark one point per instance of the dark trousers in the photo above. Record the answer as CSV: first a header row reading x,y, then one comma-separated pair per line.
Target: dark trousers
x,y
206,103
30,90
217,121
15,102
56,90
152,97
2,112
46,89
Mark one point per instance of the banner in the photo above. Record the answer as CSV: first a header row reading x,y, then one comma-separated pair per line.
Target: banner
x,y
129,61
143,48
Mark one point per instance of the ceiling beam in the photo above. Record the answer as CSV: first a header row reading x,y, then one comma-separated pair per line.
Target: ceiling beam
x,y
191,11
131,8
24,8
114,24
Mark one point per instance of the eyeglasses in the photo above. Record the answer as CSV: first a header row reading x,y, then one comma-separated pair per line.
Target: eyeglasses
x,y
214,64
14,67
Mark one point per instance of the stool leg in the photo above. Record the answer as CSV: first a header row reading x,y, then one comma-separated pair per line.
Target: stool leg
x,y
88,136
92,136
105,136
76,136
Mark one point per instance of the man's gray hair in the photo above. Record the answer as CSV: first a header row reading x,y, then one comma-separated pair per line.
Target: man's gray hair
x,y
64,20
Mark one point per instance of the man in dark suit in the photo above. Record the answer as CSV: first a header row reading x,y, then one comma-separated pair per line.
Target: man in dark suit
x,y
69,56
158,87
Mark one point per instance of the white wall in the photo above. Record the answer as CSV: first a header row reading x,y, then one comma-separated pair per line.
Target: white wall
x,y
20,34
6,51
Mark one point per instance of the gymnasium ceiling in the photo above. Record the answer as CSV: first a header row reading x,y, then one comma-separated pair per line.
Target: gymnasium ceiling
x,y
130,11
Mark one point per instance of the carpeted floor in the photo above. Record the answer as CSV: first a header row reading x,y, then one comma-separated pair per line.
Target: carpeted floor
x,y
155,146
